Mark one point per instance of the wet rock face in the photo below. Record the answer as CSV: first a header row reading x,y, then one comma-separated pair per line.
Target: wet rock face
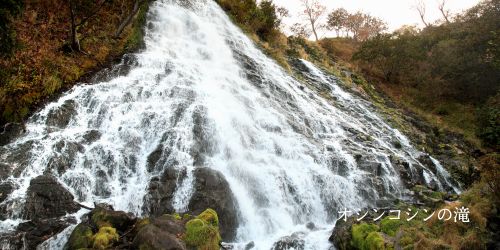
x,y
409,176
211,190
67,151
91,136
161,192
20,155
60,117
293,241
10,132
203,132
5,171
5,189
128,61
47,198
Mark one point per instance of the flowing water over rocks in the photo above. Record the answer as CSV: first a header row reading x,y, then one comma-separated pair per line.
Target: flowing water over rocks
x,y
201,117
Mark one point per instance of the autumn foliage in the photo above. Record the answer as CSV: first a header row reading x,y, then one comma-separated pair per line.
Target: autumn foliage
x,y
40,65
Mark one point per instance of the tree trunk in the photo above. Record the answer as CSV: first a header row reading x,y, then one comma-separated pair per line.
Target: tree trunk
x,y
444,15
129,18
314,31
75,44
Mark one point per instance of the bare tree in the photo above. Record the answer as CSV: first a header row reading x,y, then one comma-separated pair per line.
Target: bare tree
x,y
444,12
420,7
313,11
282,12
355,22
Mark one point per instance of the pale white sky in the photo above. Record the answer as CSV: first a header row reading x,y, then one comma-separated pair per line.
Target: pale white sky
x,y
395,12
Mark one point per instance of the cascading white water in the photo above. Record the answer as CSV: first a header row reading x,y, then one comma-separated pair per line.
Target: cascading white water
x,y
289,155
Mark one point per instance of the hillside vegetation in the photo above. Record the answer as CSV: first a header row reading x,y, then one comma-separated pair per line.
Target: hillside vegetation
x,y
450,70
47,45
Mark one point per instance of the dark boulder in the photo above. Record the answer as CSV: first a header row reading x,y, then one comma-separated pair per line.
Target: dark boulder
x,y
47,198
152,237
10,132
169,224
38,231
61,116
30,234
212,190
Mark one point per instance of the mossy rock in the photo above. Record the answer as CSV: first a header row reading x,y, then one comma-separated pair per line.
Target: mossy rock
x,y
108,218
81,237
203,231
209,216
105,238
374,241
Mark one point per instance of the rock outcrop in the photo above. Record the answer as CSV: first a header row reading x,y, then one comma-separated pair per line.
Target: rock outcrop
x,y
210,190
47,198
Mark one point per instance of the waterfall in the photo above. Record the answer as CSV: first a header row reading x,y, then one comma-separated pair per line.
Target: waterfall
x,y
204,93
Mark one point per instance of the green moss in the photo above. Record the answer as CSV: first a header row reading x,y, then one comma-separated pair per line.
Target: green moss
x,y
177,216
209,216
187,216
374,241
360,233
390,227
105,238
100,218
81,237
203,232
